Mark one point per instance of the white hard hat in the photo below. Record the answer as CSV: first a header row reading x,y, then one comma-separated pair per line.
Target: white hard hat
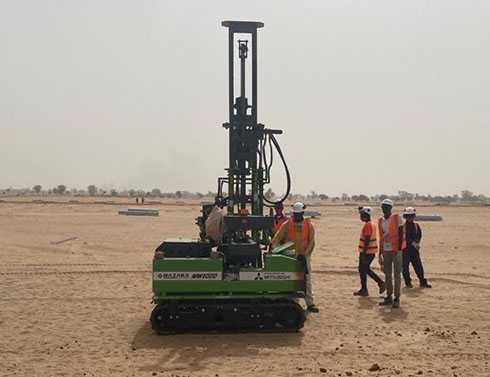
x,y
387,202
409,211
366,210
298,207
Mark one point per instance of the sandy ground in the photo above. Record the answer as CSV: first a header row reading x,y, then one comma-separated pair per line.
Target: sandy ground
x,y
81,307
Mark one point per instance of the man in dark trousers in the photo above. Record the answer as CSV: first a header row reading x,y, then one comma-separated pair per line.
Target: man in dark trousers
x,y
368,247
411,252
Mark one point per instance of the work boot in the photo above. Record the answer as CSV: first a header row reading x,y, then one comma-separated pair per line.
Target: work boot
x,y
396,303
425,284
382,288
312,308
386,301
409,285
361,292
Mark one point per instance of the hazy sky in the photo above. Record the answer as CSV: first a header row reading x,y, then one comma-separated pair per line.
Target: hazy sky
x,y
373,96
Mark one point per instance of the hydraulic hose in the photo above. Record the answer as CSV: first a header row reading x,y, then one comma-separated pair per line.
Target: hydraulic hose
x,y
286,169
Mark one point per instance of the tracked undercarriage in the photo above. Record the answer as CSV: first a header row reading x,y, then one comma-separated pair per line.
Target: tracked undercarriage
x,y
200,315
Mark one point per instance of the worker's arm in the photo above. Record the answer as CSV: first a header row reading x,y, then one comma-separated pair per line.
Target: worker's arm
x,y
400,237
279,237
400,232
311,240
381,248
418,236
419,233
380,240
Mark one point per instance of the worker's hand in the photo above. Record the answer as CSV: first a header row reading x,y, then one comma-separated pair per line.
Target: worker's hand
x,y
416,245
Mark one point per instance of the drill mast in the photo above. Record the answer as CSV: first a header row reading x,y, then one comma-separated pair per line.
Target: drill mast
x,y
248,170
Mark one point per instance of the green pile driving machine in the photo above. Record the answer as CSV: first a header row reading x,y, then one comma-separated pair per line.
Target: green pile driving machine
x,y
234,282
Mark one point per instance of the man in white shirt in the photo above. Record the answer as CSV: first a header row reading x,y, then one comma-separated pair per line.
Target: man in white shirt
x,y
390,227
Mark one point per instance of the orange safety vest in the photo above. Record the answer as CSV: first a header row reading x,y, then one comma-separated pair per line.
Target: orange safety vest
x,y
305,234
279,222
392,231
373,238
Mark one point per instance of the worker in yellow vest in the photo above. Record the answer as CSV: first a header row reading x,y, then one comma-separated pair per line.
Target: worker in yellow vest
x,y
368,247
300,231
390,227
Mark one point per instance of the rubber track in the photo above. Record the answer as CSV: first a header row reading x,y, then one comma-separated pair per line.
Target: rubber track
x,y
233,314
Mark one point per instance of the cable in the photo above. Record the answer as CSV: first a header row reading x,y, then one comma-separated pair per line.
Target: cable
x,y
286,169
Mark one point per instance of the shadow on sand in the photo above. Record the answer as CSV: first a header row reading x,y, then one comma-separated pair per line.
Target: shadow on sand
x,y
193,350
389,315
412,292
367,302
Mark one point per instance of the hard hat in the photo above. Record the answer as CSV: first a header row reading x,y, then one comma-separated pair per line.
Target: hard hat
x,y
387,202
366,210
409,211
298,207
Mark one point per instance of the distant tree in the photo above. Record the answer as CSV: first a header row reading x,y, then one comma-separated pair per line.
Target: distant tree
x,y
54,190
345,197
178,194
269,194
132,193
37,189
360,198
323,197
61,189
382,197
92,190
313,195
405,196
441,199
113,192
156,193
467,196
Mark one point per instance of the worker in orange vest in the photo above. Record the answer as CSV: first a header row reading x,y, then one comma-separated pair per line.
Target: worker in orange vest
x,y
279,218
368,247
300,231
391,238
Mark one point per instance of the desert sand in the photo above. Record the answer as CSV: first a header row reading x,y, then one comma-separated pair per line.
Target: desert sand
x,y
81,307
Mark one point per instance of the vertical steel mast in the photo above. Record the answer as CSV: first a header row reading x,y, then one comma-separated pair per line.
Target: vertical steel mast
x,y
245,177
